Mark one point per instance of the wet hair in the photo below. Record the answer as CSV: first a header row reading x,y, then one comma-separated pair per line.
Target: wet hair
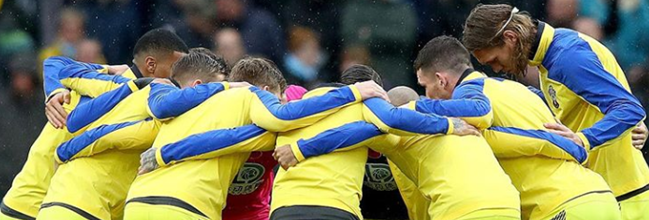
x,y
360,73
484,29
443,53
259,72
196,65
161,42
224,68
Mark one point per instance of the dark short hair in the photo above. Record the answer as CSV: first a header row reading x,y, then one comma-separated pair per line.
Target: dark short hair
x,y
258,72
160,42
360,73
224,68
195,65
443,53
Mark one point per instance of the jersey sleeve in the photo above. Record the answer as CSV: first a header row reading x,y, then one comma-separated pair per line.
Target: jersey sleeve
x,y
468,103
531,143
402,121
267,111
122,136
89,82
581,71
216,143
346,137
54,65
167,101
90,111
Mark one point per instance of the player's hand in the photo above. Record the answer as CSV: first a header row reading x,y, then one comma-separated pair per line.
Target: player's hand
x,y
563,131
54,111
461,128
284,156
639,136
369,89
239,84
163,81
117,69
148,162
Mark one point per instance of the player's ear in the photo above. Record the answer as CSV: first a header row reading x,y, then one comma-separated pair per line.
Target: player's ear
x,y
510,36
440,79
265,88
197,82
151,64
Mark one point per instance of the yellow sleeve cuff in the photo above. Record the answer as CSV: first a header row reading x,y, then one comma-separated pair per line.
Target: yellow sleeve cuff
x,y
132,86
584,140
451,127
297,153
56,91
412,105
104,69
357,93
226,85
158,158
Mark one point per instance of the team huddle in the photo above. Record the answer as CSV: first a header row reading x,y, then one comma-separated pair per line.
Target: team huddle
x,y
181,135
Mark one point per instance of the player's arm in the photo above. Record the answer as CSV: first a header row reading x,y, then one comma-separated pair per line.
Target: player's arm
x,y
87,113
468,103
402,121
343,138
533,143
583,74
216,143
123,136
267,111
52,66
167,101
88,81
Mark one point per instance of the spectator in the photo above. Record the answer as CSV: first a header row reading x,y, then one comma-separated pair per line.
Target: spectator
x,y
262,34
561,13
71,31
197,26
589,27
228,43
22,116
388,29
90,51
354,55
304,59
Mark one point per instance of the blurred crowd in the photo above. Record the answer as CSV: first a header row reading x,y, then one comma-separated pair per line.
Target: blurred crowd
x,y
311,40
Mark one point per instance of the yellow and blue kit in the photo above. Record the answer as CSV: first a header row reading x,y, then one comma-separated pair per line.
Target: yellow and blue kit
x,y
340,174
29,187
113,129
376,110
201,186
544,167
457,176
586,89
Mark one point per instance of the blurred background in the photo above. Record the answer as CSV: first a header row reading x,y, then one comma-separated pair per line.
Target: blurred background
x,y
311,40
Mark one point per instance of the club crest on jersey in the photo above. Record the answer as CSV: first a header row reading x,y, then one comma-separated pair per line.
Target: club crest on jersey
x,y
248,179
553,96
378,177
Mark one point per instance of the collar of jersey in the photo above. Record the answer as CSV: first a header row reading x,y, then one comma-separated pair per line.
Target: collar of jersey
x,y
544,37
469,74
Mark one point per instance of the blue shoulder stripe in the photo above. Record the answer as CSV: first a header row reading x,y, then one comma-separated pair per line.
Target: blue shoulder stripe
x,y
406,119
81,71
206,142
299,109
338,138
94,109
578,152
75,145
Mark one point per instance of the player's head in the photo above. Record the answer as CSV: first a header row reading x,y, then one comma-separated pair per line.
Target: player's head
x,y
439,65
360,73
156,51
259,72
195,68
224,67
401,95
500,36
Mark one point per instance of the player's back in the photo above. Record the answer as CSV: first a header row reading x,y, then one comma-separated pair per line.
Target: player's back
x,y
333,179
201,183
544,182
